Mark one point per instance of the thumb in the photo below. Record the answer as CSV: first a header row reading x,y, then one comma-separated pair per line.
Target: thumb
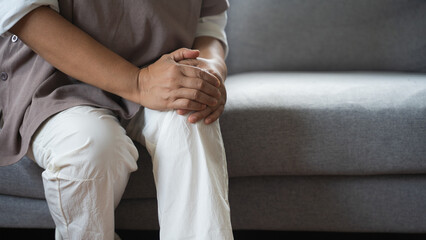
x,y
184,53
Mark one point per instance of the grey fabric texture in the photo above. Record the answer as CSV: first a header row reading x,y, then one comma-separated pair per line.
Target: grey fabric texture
x,y
22,179
392,203
325,124
17,212
309,35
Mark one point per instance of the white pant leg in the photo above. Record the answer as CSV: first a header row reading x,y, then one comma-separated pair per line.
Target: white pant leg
x,y
87,158
190,172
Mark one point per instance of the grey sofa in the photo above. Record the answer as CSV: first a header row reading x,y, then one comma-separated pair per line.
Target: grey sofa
x,y
325,126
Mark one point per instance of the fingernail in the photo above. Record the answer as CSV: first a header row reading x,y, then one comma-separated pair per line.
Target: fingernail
x,y
193,119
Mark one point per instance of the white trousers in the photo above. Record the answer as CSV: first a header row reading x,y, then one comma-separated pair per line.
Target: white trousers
x,y
88,157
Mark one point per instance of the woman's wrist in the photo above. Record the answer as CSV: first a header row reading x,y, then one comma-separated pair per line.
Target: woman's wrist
x,y
213,51
222,68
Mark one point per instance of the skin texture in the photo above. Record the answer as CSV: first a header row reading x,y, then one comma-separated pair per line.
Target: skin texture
x,y
185,80
211,59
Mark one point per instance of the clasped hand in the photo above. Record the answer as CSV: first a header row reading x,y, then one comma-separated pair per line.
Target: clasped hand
x,y
181,81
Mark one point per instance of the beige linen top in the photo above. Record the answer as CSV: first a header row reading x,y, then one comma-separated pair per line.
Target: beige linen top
x,y
31,90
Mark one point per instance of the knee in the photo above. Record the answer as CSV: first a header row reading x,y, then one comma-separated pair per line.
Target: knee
x,y
166,122
94,145
173,132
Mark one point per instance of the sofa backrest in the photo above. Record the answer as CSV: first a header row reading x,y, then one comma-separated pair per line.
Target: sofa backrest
x,y
327,35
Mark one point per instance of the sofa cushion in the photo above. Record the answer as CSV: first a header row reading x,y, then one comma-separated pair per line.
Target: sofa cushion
x,y
332,35
23,179
348,123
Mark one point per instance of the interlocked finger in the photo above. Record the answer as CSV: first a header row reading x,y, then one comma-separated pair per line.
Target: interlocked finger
x,y
186,104
196,72
199,84
195,95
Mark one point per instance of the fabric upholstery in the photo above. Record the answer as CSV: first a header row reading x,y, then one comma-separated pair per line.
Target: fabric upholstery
x,y
392,203
22,179
18,212
332,35
325,124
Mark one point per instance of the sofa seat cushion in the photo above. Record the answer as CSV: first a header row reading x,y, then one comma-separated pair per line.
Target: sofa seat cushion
x,y
23,179
343,123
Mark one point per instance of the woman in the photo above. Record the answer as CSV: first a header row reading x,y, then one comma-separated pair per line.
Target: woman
x,y
82,79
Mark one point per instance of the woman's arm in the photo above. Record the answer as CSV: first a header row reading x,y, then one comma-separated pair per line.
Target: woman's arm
x,y
72,51
212,59
163,85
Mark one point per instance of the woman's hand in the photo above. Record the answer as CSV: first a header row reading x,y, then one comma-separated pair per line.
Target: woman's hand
x,y
218,69
168,84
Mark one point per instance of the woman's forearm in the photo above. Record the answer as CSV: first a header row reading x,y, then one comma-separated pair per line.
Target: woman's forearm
x,y
75,53
210,48
214,50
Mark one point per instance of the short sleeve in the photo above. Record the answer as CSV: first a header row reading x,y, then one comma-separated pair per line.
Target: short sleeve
x,y
214,26
213,7
11,11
